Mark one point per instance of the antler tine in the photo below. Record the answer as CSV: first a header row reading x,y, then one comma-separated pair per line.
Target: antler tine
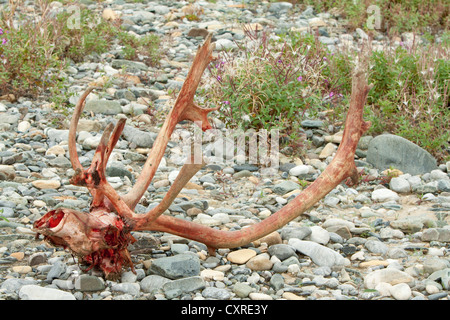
x,y
340,168
189,169
73,130
184,109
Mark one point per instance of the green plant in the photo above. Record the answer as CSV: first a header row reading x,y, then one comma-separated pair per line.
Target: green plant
x,y
147,45
29,59
273,84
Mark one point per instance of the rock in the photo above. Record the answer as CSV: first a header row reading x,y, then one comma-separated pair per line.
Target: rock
x,y
56,150
436,234
225,44
185,284
399,184
46,184
312,124
23,126
198,32
109,14
35,292
285,187
214,275
319,235
216,293
277,281
153,283
300,233
109,107
299,170
383,194
242,290
271,239
388,275
388,150
7,172
259,296
127,288
376,247
400,291
175,267
320,255
280,7
89,283
433,264
328,150
260,262
241,256
443,275
281,251
13,285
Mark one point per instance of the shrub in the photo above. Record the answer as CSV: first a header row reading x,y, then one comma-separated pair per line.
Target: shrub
x,y
272,84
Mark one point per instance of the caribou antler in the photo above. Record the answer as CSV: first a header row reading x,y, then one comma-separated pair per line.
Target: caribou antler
x,y
101,236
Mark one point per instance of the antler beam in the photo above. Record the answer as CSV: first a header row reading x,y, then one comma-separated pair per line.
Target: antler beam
x,y
101,236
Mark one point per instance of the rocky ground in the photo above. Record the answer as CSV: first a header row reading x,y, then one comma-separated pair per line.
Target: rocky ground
x,y
383,239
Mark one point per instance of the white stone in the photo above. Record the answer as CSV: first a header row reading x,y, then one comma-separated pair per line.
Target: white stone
x,y
399,184
384,288
319,235
319,254
438,174
401,291
299,170
23,126
389,275
34,292
259,296
382,195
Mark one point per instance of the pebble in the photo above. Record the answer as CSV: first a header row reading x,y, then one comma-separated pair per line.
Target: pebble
x,y
379,236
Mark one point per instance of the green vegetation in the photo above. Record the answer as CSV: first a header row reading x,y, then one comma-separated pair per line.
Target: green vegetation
x,y
280,83
35,51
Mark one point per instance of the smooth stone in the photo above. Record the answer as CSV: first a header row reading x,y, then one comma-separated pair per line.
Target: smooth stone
x,y
35,292
188,284
89,283
242,290
153,283
241,256
388,275
320,255
319,235
399,184
260,262
216,293
46,184
400,291
285,187
382,195
388,150
175,267
259,296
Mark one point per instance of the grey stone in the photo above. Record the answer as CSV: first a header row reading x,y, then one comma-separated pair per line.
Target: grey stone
x,y
188,284
280,7
56,271
139,138
176,267
376,247
109,107
281,251
216,293
312,123
285,187
127,288
153,283
300,233
444,185
399,184
89,283
131,66
388,150
442,275
320,255
13,285
242,290
277,281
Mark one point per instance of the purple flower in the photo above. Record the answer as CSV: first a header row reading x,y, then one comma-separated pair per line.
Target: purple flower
x,y
331,94
325,58
279,61
1,31
226,102
300,78
4,41
219,78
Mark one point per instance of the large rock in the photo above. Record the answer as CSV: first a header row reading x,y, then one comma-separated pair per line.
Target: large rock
x,y
176,267
111,107
388,150
320,255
